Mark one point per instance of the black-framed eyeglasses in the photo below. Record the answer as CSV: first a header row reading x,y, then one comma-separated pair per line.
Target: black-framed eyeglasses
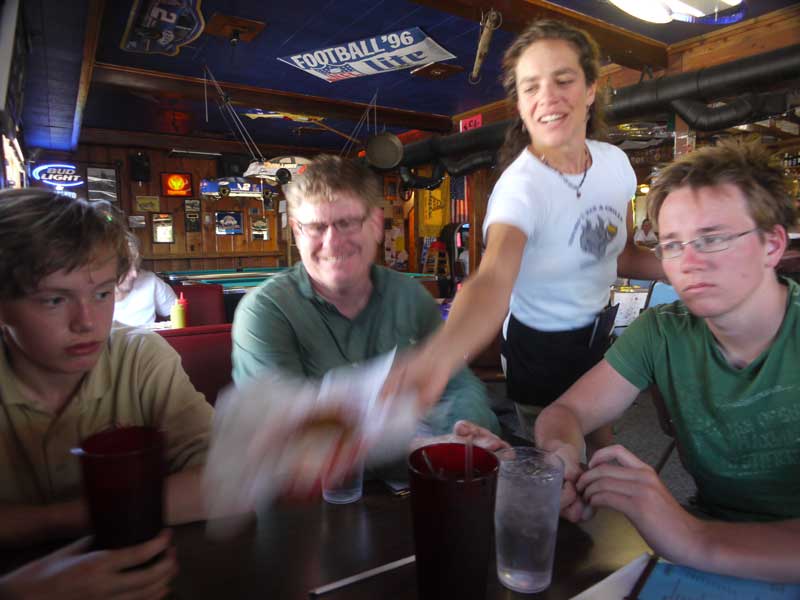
x,y
713,242
316,229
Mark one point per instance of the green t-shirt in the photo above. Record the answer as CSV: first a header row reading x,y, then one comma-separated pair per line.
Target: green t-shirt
x,y
738,430
285,324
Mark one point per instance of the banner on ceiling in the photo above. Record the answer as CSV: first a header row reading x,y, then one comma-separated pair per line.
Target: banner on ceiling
x,y
405,49
162,26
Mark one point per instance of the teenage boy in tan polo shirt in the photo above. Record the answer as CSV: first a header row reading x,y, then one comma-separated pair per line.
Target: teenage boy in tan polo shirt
x,y
65,374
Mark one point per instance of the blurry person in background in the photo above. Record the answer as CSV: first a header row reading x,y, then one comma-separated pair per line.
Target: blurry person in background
x,y
645,234
141,295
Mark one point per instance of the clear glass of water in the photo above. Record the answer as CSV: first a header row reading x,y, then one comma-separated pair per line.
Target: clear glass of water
x,y
526,517
348,490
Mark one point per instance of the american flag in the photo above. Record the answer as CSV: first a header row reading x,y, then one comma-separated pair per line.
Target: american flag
x,y
337,72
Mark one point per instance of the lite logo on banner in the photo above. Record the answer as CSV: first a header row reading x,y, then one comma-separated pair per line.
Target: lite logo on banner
x,y
404,49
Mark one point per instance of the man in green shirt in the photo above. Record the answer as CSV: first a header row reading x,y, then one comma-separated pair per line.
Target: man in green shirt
x,y
724,358
337,307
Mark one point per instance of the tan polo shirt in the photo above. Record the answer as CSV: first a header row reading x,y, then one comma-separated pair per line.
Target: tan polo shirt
x,y
138,380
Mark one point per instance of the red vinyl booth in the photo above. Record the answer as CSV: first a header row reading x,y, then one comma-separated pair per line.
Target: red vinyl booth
x,y
206,303
205,354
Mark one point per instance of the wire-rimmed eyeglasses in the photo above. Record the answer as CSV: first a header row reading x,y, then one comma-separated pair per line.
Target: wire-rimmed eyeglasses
x,y
316,229
713,242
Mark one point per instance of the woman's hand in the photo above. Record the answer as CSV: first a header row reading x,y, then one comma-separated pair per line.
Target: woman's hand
x,y
418,373
462,431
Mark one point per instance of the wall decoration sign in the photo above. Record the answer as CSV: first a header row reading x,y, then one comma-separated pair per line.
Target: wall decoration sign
x,y
403,49
229,222
192,222
191,205
176,184
59,176
148,204
162,26
163,229
260,228
136,222
434,209
473,122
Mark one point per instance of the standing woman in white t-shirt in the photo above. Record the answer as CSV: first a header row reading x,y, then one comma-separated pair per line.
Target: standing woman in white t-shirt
x,y
556,233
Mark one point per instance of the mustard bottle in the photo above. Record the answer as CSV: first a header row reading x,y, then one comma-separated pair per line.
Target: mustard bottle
x,y
177,313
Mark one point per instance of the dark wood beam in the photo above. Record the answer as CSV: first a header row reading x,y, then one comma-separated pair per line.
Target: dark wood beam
x,y
621,46
143,139
90,40
156,82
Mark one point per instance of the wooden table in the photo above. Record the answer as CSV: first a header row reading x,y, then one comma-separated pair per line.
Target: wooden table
x,y
289,551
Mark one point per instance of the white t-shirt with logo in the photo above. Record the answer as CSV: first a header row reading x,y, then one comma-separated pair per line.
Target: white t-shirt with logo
x,y
570,258
150,295
645,238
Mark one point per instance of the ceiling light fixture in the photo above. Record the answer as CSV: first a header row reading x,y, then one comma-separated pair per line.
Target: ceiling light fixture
x,y
708,12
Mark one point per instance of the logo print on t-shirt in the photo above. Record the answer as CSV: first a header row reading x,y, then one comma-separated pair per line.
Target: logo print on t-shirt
x,y
596,236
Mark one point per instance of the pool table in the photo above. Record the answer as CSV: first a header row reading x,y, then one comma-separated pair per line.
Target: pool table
x,y
237,282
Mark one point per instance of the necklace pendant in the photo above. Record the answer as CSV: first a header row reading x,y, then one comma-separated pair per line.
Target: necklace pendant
x,y
578,193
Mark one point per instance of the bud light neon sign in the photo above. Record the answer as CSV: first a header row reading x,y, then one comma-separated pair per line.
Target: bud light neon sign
x,y
60,176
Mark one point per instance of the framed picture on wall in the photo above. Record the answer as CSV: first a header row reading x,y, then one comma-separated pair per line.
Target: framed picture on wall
x,y
192,222
101,183
147,204
229,222
260,229
163,228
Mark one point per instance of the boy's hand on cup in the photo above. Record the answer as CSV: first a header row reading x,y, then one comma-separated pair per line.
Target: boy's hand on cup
x,y
80,575
573,506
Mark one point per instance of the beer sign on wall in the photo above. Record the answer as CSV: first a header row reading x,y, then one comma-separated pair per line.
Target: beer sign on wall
x,y
59,176
176,184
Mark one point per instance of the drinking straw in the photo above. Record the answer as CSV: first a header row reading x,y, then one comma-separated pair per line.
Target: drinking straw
x,y
428,463
468,460
361,576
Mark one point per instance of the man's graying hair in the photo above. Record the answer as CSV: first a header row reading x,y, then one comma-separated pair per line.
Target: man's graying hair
x,y
327,176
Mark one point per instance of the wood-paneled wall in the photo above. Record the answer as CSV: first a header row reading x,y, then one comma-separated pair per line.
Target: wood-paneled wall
x,y
190,250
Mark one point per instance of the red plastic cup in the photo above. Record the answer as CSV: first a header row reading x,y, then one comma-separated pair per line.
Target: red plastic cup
x,y
453,518
123,481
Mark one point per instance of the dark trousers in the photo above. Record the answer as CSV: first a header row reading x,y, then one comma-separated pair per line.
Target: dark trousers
x,y
542,365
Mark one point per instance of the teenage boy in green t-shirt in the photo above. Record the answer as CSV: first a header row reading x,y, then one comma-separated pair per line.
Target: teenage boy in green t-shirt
x,y
725,360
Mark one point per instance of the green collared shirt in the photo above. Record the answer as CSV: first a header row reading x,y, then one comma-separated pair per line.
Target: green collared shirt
x,y
738,429
138,380
285,324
